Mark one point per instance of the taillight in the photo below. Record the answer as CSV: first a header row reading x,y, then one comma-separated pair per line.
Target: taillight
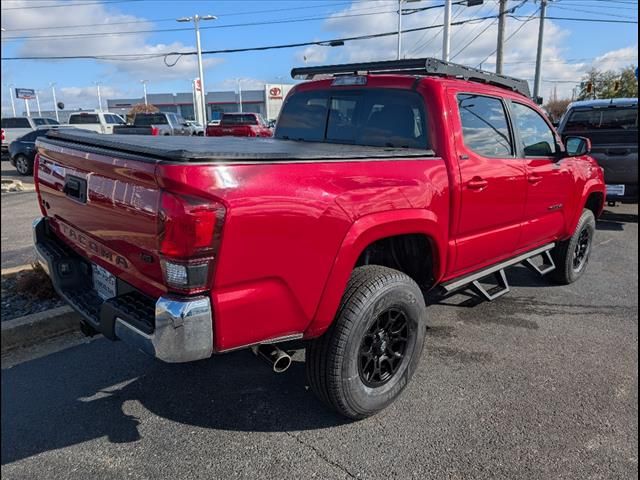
x,y
155,130
3,134
189,238
36,182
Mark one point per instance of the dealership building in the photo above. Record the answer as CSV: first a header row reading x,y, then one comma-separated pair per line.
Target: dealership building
x,y
267,101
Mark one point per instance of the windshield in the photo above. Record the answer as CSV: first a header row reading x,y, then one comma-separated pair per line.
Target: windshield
x,y
374,117
616,118
146,120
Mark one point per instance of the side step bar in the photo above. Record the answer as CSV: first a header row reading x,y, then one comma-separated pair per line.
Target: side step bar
x,y
498,272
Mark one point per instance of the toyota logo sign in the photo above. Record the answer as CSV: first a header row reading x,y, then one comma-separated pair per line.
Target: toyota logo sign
x,y
275,92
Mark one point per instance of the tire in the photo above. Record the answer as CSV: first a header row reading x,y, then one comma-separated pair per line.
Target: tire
x,y
572,256
338,366
24,166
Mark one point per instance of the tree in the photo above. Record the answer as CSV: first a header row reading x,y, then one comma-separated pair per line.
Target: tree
x,y
609,84
141,108
556,108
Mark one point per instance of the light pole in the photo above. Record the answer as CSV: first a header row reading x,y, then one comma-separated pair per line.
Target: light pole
x,y
38,104
55,102
196,23
97,84
239,94
11,93
144,89
400,2
446,36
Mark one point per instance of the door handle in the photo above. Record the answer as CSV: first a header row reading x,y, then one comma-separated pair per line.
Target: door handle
x,y
477,183
534,179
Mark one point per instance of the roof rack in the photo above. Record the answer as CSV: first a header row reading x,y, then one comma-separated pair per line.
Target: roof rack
x,y
417,66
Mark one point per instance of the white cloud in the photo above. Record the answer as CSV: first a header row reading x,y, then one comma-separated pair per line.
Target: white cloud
x,y
106,20
232,84
468,45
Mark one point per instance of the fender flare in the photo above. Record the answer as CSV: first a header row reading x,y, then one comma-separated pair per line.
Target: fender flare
x,y
362,233
590,187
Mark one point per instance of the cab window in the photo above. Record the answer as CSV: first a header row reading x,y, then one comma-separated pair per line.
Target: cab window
x,y
485,128
536,136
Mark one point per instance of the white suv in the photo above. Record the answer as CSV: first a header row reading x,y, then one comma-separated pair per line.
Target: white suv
x,y
100,122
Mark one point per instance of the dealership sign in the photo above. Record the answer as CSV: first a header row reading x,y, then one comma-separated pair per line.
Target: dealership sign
x,y
26,93
275,93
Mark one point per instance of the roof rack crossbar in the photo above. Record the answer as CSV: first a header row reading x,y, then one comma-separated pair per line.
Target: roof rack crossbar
x,y
417,66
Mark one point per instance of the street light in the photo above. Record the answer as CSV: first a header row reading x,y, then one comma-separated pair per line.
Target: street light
x,y
38,103
144,89
238,80
400,2
97,84
55,102
11,93
196,23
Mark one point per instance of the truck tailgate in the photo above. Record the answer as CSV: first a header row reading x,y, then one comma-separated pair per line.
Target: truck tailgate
x,y
106,208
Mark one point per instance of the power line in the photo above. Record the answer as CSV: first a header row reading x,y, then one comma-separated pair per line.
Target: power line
x,y
145,56
590,11
491,24
172,19
180,29
67,5
593,20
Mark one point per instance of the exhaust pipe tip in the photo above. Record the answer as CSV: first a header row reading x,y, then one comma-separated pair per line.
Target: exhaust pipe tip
x,y
279,360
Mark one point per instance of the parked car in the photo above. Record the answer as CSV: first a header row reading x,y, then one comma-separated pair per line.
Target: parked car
x,y
14,127
155,124
196,128
22,151
99,122
612,127
375,189
240,125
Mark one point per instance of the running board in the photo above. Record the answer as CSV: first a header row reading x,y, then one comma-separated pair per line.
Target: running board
x,y
497,271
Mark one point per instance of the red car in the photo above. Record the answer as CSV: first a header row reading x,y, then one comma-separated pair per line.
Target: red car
x,y
240,125
411,176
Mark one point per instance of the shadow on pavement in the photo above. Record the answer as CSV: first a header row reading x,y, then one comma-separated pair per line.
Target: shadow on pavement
x,y
77,395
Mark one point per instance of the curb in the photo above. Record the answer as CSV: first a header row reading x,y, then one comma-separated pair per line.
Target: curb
x,y
31,329
17,269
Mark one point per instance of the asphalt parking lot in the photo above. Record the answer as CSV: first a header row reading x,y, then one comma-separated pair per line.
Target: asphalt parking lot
x,y
540,384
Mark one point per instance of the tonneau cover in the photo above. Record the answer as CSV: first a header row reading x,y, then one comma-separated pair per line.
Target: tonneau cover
x,y
185,149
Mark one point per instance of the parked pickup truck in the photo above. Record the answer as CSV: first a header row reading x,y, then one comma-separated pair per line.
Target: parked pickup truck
x,y
414,175
612,127
157,124
240,125
99,122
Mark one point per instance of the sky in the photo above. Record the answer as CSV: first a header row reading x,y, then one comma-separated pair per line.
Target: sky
x,y
97,28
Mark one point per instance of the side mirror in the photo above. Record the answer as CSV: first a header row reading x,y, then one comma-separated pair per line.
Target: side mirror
x,y
577,146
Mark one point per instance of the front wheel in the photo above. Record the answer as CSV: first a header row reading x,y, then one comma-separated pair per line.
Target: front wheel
x,y
24,166
370,352
572,256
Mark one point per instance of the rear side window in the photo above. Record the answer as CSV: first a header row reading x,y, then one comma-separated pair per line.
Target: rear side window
x,y
113,120
617,118
15,123
146,120
484,126
84,119
537,138
374,117
39,121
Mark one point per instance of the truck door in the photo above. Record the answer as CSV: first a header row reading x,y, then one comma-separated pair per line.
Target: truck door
x,y
549,181
493,183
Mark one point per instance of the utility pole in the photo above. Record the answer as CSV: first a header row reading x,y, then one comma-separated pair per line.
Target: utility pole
x,y
446,36
55,102
11,94
536,84
501,27
196,23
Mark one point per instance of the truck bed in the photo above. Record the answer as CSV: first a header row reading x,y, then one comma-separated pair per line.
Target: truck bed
x,y
226,149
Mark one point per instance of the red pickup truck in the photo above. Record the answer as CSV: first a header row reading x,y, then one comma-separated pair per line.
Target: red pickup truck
x,y
378,186
240,125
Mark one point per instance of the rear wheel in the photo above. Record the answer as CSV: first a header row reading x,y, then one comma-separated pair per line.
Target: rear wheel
x,y
572,256
368,355
24,166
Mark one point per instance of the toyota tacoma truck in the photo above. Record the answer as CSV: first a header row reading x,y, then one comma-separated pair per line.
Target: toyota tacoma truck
x,y
385,180
240,125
